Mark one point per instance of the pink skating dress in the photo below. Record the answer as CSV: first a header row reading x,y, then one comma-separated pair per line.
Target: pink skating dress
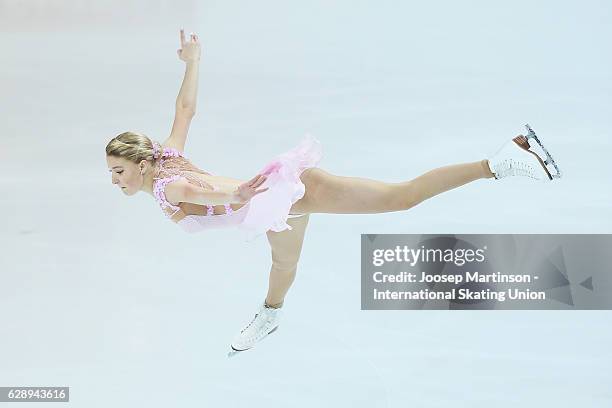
x,y
265,211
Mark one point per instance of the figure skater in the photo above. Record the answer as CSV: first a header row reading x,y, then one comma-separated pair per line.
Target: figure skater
x,y
278,200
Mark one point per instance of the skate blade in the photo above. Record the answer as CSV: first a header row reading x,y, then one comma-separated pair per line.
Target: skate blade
x,y
522,142
234,352
549,159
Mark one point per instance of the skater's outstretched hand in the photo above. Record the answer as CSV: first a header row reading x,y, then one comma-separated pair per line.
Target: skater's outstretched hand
x,y
247,190
190,50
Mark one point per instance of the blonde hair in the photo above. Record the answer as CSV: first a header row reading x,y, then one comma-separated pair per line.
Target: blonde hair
x,y
132,146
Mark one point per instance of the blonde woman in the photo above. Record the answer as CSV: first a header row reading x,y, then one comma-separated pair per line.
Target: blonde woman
x,y
279,199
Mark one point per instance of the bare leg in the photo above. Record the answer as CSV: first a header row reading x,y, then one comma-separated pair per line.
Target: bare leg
x,y
286,248
328,193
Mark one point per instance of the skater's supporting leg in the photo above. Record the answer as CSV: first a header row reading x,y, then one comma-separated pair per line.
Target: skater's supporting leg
x,y
286,248
328,193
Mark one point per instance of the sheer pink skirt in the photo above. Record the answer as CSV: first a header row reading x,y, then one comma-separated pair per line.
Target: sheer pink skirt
x,y
270,210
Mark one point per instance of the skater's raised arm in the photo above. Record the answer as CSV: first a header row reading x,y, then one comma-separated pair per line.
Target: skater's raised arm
x,y
186,100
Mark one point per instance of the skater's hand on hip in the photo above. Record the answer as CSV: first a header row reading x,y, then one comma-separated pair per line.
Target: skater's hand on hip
x,y
190,50
247,190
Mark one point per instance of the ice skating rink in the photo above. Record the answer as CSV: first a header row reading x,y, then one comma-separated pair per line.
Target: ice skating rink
x,y
101,293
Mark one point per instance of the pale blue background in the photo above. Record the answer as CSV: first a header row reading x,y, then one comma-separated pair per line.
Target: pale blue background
x,y
99,292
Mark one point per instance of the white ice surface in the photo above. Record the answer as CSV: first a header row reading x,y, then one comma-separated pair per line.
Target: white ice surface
x,y
100,293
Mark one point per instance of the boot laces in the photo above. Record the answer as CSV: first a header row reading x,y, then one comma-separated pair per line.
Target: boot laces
x,y
267,319
250,323
511,167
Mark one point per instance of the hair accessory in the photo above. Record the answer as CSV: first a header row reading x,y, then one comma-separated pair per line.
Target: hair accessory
x,y
167,151
156,150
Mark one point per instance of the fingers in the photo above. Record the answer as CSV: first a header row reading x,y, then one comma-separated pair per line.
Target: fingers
x,y
252,181
257,180
192,37
260,179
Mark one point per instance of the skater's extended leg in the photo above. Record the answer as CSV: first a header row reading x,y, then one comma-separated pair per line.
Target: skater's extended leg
x,y
328,193
286,248
441,179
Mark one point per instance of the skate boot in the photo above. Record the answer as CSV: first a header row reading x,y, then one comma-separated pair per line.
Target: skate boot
x,y
515,158
266,321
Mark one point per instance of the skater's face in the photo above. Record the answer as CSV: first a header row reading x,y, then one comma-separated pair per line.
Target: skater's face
x,y
125,174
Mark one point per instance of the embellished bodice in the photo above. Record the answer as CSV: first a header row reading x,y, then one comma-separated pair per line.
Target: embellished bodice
x,y
173,166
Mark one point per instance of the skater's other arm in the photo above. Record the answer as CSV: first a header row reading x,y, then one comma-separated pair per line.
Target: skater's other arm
x,y
182,191
186,100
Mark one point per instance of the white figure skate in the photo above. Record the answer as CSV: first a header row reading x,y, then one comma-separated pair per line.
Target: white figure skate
x,y
515,158
265,322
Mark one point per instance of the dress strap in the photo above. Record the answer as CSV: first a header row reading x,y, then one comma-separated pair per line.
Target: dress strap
x,y
210,209
159,192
